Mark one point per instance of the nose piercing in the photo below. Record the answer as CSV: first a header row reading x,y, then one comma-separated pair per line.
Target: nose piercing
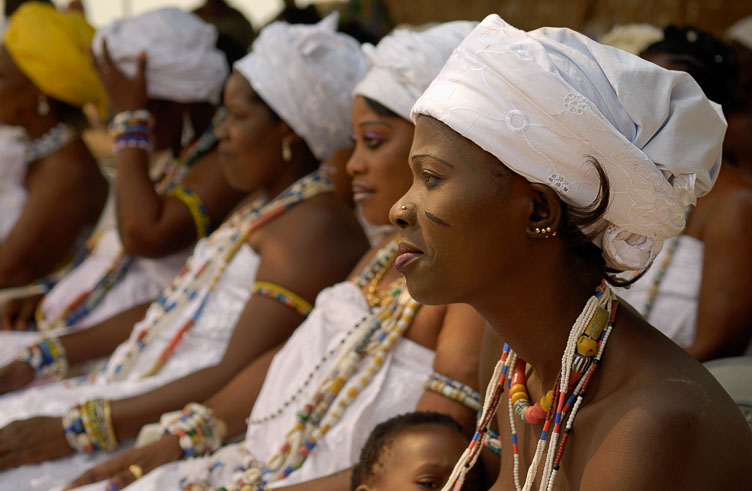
x,y
403,207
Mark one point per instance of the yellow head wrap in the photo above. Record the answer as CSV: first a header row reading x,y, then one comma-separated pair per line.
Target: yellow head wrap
x,y
51,48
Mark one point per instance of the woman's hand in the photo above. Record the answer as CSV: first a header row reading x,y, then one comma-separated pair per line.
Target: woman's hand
x,y
118,469
19,313
126,94
15,375
32,440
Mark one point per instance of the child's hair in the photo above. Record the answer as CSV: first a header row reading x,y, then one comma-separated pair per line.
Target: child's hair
x,y
384,434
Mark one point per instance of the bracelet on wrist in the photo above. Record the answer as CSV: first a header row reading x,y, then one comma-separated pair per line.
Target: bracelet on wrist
x,y
46,357
199,432
88,426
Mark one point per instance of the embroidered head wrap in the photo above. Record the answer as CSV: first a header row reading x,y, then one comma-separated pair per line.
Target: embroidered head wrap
x,y
543,102
405,62
52,49
183,63
306,74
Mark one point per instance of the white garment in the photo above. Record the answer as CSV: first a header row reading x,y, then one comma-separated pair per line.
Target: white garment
x,y
306,74
674,310
395,389
203,345
405,62
543,101
183,63
12,173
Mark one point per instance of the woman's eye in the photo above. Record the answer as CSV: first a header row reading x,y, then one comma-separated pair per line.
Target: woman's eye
x,y
429,484
430,179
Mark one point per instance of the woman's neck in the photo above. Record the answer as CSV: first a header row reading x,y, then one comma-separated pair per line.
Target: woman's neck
x,y
287,175
536,323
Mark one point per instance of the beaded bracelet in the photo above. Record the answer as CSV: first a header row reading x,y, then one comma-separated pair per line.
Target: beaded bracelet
x,y
198,431
127,121
283,296
454,390
88,426
195,207
46,357
138,140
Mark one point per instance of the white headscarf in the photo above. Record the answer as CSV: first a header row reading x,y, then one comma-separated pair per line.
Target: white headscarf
x,y
741,32
543,101
405,62
306,74
183,63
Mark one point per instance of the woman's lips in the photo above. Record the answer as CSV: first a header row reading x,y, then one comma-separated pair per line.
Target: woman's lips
x,y
406,255
361,193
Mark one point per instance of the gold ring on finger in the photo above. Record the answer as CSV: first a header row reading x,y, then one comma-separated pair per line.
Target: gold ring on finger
x,y
136,470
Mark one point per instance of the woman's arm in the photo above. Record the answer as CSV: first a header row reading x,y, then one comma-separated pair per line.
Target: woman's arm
x,y
66,193
724,311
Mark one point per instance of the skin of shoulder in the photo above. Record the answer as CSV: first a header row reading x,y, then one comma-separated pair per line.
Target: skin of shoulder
x,y
658,420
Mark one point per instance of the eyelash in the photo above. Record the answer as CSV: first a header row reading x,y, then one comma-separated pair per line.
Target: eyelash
x,y
428,484
430,180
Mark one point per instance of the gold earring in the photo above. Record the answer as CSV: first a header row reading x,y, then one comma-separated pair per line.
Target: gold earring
x,y
43,107
286,150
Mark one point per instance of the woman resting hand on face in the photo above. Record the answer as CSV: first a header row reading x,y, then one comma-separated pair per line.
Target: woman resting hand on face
x,y
527,147
401,343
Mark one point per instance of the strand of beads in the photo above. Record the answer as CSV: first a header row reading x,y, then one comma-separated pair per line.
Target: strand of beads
x,y
132,129
284,296
378,262
454,390
198,430
375,338
46,357
88,426
56,138
587,338
196,282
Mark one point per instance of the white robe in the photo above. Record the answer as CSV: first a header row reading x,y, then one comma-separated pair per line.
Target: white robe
x,y
203,345
395,389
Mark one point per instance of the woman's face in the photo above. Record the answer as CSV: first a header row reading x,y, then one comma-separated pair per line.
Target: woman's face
x,y
463,220
18,95
378,165
250,139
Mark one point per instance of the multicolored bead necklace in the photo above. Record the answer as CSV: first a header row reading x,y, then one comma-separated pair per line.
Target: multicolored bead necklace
x,y
377,264
582,355
87,301
56,138
189,284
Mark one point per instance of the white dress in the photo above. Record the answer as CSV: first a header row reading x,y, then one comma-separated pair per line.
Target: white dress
x,y
203,345
674,310
395,389
12,173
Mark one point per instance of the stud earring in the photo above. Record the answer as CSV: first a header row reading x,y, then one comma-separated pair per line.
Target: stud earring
x,y
43,107
286,150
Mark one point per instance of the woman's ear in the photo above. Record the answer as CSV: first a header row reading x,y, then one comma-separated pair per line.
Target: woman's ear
x,y
545,212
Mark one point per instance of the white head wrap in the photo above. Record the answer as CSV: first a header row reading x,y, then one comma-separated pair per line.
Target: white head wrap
x,y
183,63
405,62
542,102
306,74
741,32
632,38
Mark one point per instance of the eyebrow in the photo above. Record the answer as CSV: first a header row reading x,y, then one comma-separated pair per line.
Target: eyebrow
x,y
426,156
382,123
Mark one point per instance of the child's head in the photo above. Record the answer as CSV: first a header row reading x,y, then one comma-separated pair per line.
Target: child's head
x,y
411,451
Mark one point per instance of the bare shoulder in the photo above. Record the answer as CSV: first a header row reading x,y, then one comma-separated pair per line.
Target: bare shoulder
x,y
659,420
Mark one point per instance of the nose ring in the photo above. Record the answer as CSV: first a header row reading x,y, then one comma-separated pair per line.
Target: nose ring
x,y
403,207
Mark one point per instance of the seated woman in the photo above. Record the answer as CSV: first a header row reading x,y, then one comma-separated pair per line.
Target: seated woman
x,y
696,292
527,147
161,210
46,77
367,350
247,285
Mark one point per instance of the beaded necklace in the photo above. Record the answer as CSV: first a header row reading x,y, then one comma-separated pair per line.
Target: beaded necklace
x,y
56,138
191,282
582,355
378,263
90,299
